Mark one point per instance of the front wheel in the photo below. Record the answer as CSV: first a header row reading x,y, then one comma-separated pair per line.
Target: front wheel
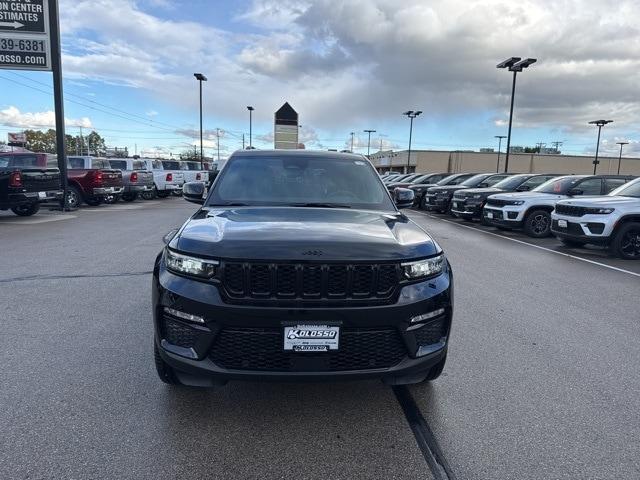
x,y
626,243
26,210
74,199
537,224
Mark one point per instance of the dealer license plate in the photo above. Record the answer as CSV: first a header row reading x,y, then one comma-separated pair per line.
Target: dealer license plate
x,y
489,214
455,204
311,338
562,223
42,195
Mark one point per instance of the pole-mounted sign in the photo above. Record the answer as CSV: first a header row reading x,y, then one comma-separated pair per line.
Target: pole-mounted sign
x,y
25,42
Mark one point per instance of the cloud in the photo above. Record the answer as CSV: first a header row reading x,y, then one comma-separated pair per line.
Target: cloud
x,y
13,117
151,113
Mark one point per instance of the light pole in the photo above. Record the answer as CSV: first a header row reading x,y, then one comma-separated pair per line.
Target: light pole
x,y
352,134
620,157
515,65
201,78
599,124
369,141
411,114
251,109
499,137
218,143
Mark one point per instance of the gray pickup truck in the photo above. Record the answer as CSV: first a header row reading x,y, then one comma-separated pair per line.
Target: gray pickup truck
x,y
135,176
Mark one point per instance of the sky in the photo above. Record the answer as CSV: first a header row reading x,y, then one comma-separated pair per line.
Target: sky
x,y
345,66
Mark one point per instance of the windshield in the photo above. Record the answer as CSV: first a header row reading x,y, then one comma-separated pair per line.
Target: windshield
x,y
473,181
558,185
171,165
18,161
631,189
299,180
191,166
139,165
511,182
118,164
102,163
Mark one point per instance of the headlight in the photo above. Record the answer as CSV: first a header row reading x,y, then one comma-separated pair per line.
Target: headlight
x,y
477,196
517,202
198,267
603,211
424,268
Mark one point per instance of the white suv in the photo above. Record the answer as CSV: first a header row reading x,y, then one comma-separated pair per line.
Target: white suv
x,y
532,210
612,220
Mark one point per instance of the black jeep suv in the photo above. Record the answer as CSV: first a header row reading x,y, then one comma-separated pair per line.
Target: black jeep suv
x,y
299,266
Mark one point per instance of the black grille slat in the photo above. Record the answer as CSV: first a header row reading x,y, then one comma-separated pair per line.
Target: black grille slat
x,y
262,349
309,281
495,202
177,333
571,210
431,332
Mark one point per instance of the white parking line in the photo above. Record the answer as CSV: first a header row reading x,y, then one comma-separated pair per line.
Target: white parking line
x,y
36,220
532,245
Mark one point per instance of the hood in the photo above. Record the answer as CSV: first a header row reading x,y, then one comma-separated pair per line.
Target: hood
x,y
482,191
422,186
303,234
602,201
527,196
448,188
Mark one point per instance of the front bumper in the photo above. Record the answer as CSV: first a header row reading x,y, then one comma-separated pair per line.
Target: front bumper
x,y
245,341
588,228
433,202
502,217
467,208
107,190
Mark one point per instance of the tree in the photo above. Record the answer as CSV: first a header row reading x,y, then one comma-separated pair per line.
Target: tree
x,y
41,142
193,155
95,144
45,142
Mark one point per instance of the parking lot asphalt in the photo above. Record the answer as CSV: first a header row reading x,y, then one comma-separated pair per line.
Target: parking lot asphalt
x,y
542,380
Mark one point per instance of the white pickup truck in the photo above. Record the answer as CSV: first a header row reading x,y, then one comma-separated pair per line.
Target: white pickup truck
x,y
166,181
193,173
612,220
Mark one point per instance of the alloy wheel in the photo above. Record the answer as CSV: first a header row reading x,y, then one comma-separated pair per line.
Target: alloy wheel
x,y
540,224
630,244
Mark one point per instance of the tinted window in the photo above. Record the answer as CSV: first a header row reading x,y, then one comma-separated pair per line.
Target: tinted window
x,y
18,161
52,161
193,166
76,162
536,181
171,165
591,186
613,183
473,181
157,164
287,180
493,179
139,165
559,186
511,182
118,164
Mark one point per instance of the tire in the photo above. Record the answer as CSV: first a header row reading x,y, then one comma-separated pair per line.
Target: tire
x,y
74,198
111,199
423,203
165,372
567,242
26,210
436,370
129,197
148,195
162,194
626,242
537,224
93,201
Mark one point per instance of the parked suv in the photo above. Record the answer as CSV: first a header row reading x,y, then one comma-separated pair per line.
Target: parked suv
x,y
421,188
439,198
612,220
468,203
421,179
299,266
532,210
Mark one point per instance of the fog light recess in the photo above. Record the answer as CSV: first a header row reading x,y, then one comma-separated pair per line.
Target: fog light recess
x,y
183,315
427,316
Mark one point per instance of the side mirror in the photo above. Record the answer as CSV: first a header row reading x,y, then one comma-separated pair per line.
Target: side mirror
x,y
575,191
193,192
403,197
523,188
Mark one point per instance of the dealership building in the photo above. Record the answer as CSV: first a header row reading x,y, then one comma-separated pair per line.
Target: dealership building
x,y
467,161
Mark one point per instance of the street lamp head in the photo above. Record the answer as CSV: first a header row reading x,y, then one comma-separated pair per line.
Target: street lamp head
x,y
499,136
369,131
523,64
600,123
622,143
509,62
408,112
200,77
250,108
417,113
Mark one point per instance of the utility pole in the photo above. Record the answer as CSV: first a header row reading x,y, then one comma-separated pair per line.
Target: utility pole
x,y
411,114
352,135
599,124
218,142
243,141
369,141
499,137
251,109
557,145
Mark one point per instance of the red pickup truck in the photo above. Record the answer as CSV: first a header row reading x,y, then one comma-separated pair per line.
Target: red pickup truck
x,y
89,179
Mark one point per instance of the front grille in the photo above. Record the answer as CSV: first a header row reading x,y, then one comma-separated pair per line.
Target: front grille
x,y
178,333
497,214
262,349
572,228
431,332
495,202
571,210
309,281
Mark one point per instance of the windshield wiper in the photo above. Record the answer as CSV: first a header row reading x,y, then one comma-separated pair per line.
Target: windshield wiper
x,y
319,205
